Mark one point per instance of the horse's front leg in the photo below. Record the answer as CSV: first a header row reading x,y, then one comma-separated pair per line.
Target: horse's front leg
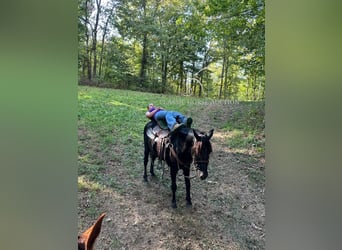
x,y
186,172
174,170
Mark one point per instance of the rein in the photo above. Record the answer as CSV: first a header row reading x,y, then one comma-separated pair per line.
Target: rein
x,y
179,162
174,154
162,151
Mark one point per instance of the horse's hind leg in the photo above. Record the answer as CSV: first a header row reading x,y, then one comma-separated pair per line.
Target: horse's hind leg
x,y
174,171
152,165
146,155
186,172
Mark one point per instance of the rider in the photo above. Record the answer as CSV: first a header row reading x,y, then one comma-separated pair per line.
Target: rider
x,y
173,119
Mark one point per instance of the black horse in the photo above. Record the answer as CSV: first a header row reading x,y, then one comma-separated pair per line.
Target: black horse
x,y
179,150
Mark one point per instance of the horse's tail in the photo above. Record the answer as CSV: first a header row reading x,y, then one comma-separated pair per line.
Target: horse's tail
x,y
148,125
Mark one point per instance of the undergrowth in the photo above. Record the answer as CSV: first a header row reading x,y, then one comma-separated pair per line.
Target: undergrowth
x,y
245,128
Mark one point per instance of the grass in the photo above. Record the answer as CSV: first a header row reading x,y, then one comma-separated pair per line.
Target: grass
x,y
86,185
245,128
247,125
249,116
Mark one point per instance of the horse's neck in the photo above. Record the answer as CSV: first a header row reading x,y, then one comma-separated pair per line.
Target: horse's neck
x,y
183,145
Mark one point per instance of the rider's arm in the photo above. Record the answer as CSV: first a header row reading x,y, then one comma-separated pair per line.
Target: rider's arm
x,y
151,114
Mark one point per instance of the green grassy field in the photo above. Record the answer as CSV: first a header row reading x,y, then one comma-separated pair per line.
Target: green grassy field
x,y
228,210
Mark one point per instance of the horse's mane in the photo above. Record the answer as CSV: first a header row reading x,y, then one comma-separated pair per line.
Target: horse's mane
x,y
183,141
199,144
197,148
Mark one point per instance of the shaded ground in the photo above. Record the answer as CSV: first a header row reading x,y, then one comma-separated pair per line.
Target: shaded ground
x,y
228,208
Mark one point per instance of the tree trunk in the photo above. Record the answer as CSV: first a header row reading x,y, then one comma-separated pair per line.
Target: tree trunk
x,y
254,87
101,54
164,73
259,90
205,64
224,70
192,83
87,59
89,64
222,76
84,66
143,68
105,30
201,89
143,62
181,77
98,6
226,78
247,89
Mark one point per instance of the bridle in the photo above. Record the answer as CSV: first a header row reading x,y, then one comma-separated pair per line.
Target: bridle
x,y
179,162
197,155
174,154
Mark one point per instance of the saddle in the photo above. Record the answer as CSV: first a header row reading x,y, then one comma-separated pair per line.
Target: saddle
x,y
160,138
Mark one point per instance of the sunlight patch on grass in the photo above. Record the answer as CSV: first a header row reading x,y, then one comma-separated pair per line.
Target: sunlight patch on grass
x,y
84,184
84,158
82,95
116,103
220,135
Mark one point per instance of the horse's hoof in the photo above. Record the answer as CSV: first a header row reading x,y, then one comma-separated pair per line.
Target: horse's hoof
x,y
174,205
188,204
145,179
152,174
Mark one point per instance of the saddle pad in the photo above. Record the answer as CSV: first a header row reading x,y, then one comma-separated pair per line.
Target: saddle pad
x,y
156,131
162,123
150,133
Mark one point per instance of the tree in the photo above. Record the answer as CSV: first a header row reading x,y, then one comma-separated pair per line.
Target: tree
x,y
109,10
212,48
85,10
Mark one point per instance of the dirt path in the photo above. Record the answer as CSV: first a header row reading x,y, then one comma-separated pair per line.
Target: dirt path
x,y
228,208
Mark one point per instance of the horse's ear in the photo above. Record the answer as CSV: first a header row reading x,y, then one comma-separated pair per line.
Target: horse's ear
x,y
87,239
210,134
198,138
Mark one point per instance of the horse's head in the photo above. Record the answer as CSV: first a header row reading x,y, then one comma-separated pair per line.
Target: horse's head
x,y
86,241
202,149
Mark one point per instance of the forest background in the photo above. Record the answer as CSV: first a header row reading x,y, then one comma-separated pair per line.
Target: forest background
x,y
203,48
